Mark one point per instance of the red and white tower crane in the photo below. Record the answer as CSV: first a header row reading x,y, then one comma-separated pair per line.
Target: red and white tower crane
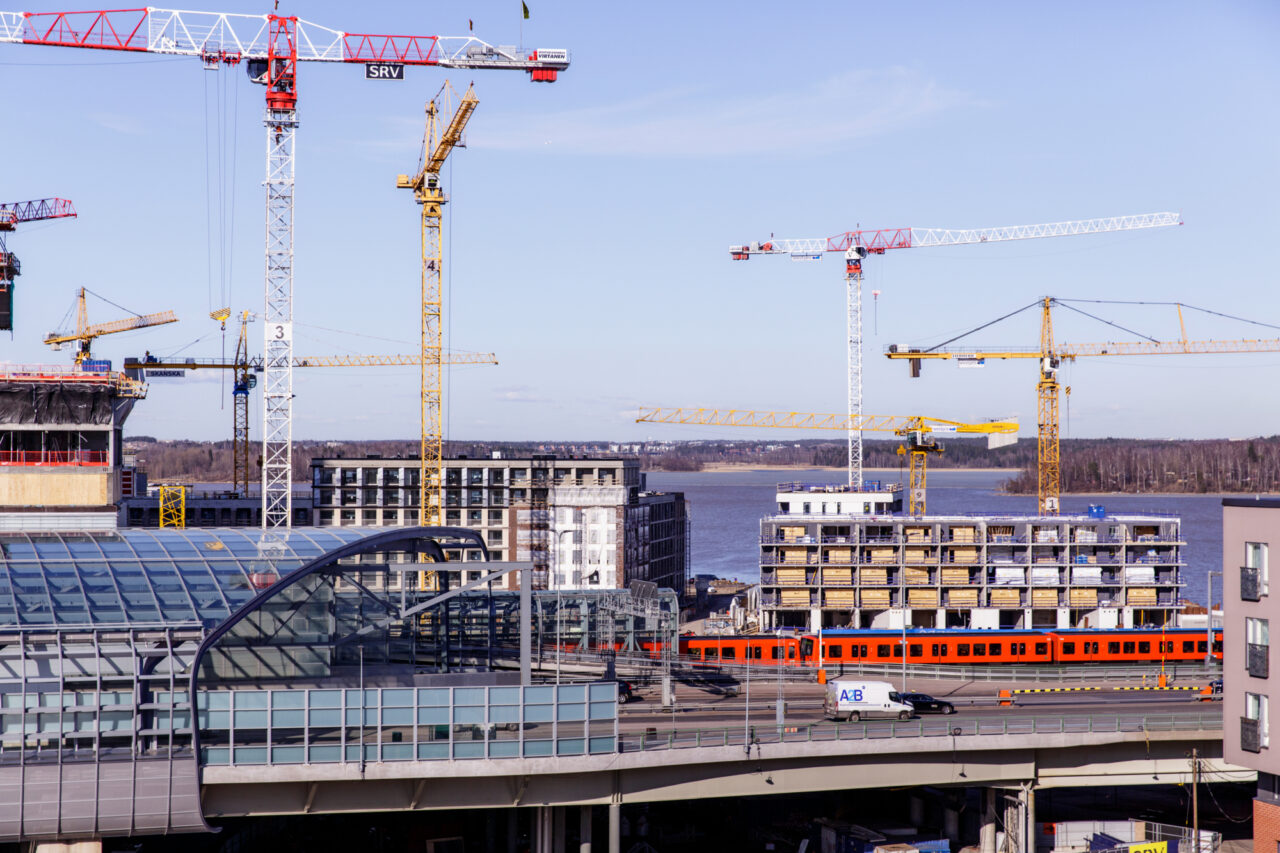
x,y
271,46
856,245
12,213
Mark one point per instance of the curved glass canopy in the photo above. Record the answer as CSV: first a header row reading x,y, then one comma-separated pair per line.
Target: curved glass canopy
x,y
137,577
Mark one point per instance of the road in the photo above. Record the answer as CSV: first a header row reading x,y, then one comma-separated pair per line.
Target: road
x,y
702,709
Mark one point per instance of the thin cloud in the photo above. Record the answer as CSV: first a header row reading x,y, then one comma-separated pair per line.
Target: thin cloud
x,y
520,395
685,123
127,125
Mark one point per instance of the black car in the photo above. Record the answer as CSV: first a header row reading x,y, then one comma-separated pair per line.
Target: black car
x,y
926,704
625,693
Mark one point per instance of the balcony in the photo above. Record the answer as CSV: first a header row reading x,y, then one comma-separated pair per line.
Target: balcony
x,y
1250,588
1250,735
1256,659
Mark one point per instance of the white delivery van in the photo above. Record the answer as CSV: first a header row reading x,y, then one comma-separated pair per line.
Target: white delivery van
x,y
864,700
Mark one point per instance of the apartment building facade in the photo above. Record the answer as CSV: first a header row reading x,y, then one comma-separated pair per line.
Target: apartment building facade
x,y
585,523
1249,528
824,561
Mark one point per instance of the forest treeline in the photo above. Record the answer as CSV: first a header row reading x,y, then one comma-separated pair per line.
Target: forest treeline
x,y
1088,465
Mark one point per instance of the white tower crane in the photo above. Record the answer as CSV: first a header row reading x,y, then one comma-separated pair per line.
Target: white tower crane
x,y
856,245
271,46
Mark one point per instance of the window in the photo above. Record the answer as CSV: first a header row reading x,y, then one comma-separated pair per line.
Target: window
x,y
1202,646
791,652
1022,648
934,649
944,649
897,650
962,650
835,652
1113,648
713,653
1068,648
853,650
979,650
995,648
755,652
1144,647
1255,557
729,654
915,650
1255,708
1188,646
1257,632
1042,648
862,650
774,653
882,650
1128,647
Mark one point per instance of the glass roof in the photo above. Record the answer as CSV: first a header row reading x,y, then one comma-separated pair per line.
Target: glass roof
x,y
136,576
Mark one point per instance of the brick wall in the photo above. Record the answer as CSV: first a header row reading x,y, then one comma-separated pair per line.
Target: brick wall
x,y
1266,826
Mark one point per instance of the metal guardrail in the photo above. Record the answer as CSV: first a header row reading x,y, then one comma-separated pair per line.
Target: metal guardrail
x,y
746,735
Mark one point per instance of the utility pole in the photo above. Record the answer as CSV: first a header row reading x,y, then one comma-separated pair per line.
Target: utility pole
x,y
1195,798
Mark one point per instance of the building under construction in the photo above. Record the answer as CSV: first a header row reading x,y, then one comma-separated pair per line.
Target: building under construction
x,y
831,557
60,445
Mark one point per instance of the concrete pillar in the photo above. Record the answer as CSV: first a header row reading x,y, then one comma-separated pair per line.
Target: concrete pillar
x,y
543,829
584,829
1029,816
1064,617
940,619
951,824
815,618
615,828
987,834
1012,813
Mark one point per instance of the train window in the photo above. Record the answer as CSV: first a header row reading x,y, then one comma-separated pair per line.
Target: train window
x,y
915,650
862,650
774,653
944,649
979,650
897,651
1068,648
1188,646
996,649
791,652
1144,647
711,653
835,651
853,650
729,654
1128,647
1202,646
1022,648
806,647
1113,648
1217,644
1042,648
962,650
934,648
1093,647
882,651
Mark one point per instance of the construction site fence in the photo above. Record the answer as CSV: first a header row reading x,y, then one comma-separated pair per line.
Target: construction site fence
x,y
53,458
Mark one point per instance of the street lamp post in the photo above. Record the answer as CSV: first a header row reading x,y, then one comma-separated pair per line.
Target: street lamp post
x,y
1208,619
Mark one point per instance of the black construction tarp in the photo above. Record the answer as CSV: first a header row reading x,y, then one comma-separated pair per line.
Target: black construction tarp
x,y
47,403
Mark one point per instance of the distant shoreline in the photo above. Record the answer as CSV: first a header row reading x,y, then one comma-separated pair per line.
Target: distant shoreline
x,y
726,467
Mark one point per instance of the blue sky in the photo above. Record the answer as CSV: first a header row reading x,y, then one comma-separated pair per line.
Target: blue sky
x,y
590,219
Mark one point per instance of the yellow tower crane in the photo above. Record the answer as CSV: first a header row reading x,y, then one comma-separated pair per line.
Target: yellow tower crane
x,y
1050,356
245,379
916,429
86,332
438,141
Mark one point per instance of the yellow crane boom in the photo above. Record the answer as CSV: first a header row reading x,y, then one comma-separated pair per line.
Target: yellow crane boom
x,y
85,331
917,429
1050,355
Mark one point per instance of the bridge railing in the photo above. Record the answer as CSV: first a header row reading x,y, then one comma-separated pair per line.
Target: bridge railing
x,y
746,733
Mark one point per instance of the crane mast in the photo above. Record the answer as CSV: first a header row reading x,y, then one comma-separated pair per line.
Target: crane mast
x,y
271,46
857,245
